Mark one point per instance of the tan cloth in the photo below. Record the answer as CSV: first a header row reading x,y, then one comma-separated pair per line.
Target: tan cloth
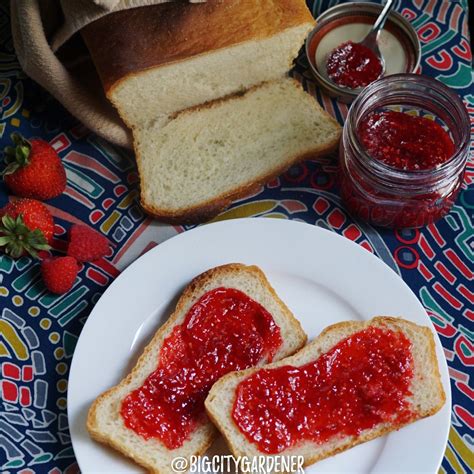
x,y
42,27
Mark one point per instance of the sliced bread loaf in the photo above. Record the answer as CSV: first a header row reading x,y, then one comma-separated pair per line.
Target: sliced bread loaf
x,y
160,59
195,165
105,422
424,398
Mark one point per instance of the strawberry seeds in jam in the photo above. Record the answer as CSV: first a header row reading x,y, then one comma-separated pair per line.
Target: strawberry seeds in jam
x,y
223,331
403,153
363,381
405,142
353,65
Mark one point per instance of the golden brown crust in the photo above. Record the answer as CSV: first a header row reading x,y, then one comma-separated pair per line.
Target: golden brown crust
x,y
351,441
197,283
133,40
437,375
211,208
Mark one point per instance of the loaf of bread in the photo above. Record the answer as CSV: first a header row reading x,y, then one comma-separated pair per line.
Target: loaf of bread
x,y
160,59
105,422
424,398
195,165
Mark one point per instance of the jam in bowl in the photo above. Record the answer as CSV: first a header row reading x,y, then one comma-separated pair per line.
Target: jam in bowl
x,y
403,152
353,65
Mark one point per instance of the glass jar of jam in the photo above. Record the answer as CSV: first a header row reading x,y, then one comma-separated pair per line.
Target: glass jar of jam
x,y
403,151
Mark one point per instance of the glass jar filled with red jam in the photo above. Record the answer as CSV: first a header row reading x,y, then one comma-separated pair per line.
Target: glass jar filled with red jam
x,y
403,152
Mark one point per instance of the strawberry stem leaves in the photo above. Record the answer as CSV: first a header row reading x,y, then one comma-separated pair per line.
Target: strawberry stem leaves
x,y
17,156
16,238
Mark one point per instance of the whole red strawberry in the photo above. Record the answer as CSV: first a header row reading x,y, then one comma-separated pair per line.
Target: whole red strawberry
x,y
86,244
34,169
26,226
59,274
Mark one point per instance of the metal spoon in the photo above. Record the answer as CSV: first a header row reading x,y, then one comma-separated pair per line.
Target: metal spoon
x,y
370,41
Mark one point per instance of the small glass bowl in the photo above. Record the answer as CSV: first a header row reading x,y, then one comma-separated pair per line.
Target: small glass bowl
x,y
398,42
389,197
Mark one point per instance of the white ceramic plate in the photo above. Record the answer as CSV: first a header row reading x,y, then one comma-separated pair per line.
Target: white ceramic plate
x,y
323,278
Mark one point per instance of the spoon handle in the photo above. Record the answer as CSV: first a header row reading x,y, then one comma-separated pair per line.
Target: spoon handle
x,y
382,18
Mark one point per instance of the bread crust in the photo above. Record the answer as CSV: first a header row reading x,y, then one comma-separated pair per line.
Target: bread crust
x,y
146,37
351,441
212,207
197,283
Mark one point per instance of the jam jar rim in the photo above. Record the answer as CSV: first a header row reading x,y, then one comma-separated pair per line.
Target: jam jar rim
x,y
452,166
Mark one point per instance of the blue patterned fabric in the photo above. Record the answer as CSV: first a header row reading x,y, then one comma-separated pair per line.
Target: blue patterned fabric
x,y
38,331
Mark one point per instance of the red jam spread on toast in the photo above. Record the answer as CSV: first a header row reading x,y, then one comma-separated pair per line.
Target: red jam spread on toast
x,y
353,65
223,331
405,142
362,381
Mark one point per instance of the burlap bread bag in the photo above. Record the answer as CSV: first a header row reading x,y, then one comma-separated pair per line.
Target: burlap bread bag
x,y
50,53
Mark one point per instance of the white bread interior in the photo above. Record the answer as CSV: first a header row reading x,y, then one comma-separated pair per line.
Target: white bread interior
x,y
143,97
196,164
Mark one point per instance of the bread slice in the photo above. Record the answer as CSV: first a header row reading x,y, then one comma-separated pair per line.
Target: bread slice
x,y
160,59
428,394
105,423
194,166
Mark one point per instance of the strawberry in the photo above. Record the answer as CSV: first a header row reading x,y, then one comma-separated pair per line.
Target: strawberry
x,y
86,244
26,226
34,169
59,274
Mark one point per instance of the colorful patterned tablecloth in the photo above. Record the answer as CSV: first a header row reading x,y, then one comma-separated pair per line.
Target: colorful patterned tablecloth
x,y
38,331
